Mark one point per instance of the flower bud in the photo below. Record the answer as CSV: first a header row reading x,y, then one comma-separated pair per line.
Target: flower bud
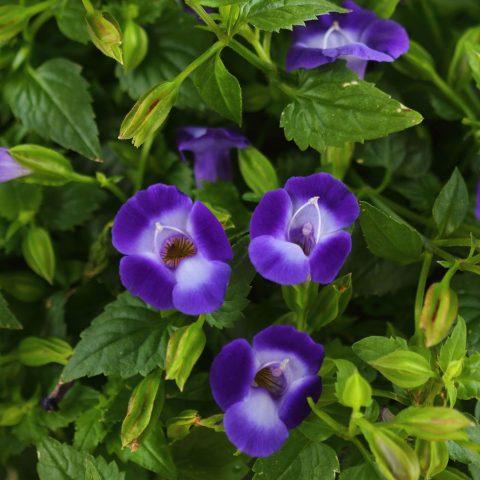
x,y
11,414
9,167
179,427
404,368
336,160
23,286
148,393
45,166
105,34
439,312
135,45
432,456
35,352
434,423
394,457
13,19
149,113
38,252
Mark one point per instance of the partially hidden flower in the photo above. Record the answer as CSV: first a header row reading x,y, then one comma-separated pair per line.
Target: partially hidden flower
x,y
357,37
297,232
175,251
211,149
9,167
263,389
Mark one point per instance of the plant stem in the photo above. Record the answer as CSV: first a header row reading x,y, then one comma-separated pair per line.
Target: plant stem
x,y
250,57
338,428
365,453
143,163
419,298
390,395
201,12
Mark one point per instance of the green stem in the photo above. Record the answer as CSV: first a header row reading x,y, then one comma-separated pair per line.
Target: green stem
x,y
88,6
419,298
365,453
201,12
143,163
453,242
189,69
250,57
338,428
392,396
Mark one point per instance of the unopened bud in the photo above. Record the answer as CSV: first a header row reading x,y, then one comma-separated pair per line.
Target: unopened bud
x,y
35,352
135,45
9,167
433,457
149,113
38,252
105,34
179,427
23,286
439,312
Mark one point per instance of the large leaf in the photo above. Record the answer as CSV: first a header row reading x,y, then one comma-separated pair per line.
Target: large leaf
x,y
273,15
332,107
300,458
388,238
58,461
219,89
53,100
126,339
7,319
19,199
70,18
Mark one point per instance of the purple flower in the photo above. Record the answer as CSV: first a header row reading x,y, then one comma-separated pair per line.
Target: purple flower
x,y
176,251
9,167
211,151
263,389
297,232
357,36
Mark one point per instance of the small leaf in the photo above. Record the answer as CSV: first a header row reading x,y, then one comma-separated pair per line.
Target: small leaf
x,y
219,89
38,252
389,238
455,347
371,348
7,319
351,388
35,352
451,205
257,171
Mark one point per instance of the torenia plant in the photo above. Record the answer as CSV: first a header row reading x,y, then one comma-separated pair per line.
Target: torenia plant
x,y
239,239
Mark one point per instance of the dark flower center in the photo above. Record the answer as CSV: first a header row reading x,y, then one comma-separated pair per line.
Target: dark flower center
x,y
175,249
272,378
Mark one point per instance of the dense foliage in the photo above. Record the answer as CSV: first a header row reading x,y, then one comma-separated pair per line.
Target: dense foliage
x,y
95,382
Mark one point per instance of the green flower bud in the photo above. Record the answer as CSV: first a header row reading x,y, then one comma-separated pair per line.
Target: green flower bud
x,y
47,166
147,395
432,456
149,113
394,457
439,312
105,34
35,352
11,414
179,427
135,45
38,252
336,160
351,388
23,286
434,423
404,368
184,348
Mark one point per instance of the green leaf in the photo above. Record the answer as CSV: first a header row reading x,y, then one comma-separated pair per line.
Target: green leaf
x,y
371,348
219,89
383,8
404,368
389,152
388,238
332,107
7,320
58,461
90,430
360,472
70,18
126,339
455,347
299,458
38,252
417,63
351,388
459,72
153,454
19,200
468,383
208,455
473,55
53,100
451,205
36,352
66,207
238,289
257,171
273,15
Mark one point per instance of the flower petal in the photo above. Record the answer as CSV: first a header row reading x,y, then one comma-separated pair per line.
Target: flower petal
x,y
278,260
9,167
300,56
278,342
208,234
253,425
272,215
232,373
294,408
329,255
212,166
148,279
338,205
134,227
201,285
